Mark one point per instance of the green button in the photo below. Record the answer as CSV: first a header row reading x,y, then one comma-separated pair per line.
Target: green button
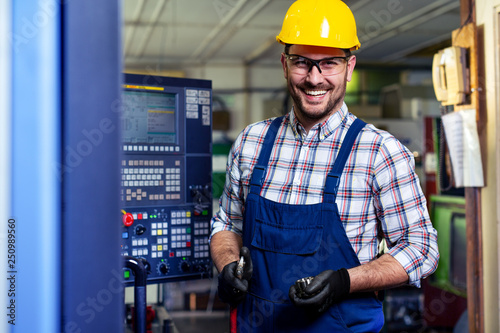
x,y
205,212
188,230
126,274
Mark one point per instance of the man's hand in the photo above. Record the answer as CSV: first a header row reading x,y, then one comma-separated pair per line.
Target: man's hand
x,y
232,289
326,288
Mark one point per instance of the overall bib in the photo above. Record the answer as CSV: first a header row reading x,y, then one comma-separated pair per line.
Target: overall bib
x,y
289,242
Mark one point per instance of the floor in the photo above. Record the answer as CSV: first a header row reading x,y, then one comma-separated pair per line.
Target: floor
x,y
201,321
188,322
218,322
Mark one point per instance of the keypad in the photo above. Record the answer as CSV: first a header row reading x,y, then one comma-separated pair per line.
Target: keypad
x,y
151,180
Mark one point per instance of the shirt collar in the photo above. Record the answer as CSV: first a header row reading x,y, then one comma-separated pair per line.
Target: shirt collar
x,y
324,129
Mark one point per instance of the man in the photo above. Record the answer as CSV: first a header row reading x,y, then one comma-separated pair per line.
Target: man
x,y
313,193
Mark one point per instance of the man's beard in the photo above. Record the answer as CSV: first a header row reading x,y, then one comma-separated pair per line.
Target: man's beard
x,y
331,107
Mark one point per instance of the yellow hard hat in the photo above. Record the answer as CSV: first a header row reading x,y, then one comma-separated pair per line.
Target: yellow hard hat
x,y
319,23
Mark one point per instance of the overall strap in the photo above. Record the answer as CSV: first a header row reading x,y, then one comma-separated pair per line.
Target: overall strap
x,y
259,171
333,178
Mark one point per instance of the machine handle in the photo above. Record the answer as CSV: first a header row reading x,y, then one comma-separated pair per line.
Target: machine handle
x,y
140,274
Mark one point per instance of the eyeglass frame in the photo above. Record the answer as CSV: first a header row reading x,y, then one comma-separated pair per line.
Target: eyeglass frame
x,y
316,62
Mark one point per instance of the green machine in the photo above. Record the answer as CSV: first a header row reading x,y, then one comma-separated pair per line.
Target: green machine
x,y
448,218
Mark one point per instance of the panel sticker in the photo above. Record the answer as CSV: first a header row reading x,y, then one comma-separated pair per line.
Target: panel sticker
x,y
205,115
204,93
204,100
191,92
192,100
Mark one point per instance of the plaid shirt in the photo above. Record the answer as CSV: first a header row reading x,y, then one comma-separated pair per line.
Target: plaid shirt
x,y
379,195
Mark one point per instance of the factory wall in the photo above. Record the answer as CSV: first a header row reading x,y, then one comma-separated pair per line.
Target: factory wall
x,y
488,22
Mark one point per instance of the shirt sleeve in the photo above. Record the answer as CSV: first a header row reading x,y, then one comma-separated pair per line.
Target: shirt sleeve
x,y
231,203
402,209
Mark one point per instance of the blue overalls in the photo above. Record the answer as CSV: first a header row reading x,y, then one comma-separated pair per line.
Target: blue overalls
x,y
289,242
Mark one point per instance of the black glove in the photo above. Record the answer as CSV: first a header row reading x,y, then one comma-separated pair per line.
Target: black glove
x,y
326,288
231,289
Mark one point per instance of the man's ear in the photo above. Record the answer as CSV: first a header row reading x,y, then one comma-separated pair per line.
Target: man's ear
x,y
350,67
283,63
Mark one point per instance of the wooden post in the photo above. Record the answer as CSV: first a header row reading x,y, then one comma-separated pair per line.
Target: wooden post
x,y
467,37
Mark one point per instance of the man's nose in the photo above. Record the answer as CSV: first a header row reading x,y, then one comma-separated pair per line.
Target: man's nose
x,y
314,75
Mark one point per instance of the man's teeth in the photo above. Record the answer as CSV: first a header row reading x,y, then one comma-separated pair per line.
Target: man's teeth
x,y
315,92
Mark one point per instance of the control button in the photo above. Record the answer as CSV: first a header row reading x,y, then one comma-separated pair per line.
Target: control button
x,y
126,274
125,235
128,219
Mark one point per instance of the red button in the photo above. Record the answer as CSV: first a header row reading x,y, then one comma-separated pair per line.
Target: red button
x,y
188,244
171,254
127,219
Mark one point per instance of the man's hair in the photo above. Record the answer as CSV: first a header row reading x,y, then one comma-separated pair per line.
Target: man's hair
x,y
287,50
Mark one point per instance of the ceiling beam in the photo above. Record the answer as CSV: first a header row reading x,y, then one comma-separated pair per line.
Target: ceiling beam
x,y
160,5
359,4
260,50
218,28
232,31
135,19
408,22
414,48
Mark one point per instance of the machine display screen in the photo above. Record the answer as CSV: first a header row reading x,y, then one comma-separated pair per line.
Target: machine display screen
x,y
149,118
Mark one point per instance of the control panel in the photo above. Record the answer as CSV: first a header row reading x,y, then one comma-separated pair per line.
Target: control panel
x,y
166,176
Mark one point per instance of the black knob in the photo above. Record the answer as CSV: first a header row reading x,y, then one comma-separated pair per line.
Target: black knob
x,y
140,229
185,266
163,269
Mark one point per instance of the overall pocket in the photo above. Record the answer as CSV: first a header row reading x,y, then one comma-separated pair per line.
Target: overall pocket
x,y
292,240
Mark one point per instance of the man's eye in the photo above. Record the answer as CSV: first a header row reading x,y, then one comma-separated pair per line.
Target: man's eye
x,y
331,62
301,62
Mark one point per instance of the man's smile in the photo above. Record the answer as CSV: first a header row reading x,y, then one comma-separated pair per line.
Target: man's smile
x,y
315,92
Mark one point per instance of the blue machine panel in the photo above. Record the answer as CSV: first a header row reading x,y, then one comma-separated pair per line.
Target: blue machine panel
x,y
166,176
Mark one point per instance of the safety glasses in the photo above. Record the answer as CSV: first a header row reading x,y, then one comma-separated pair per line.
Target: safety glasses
x,y
301,65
